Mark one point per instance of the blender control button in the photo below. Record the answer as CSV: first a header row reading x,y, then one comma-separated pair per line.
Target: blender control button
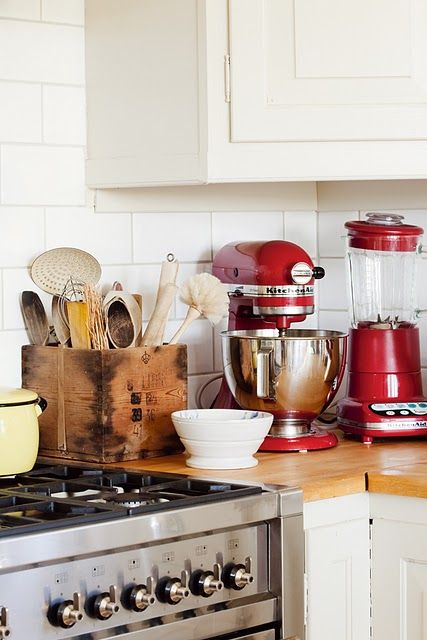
x,y
404,413
391,413
412,405
423,405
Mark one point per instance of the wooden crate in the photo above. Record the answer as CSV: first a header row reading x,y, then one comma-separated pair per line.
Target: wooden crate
x,y
110,405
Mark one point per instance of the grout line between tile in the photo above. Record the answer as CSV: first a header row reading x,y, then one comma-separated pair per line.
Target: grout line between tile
x,y
42,113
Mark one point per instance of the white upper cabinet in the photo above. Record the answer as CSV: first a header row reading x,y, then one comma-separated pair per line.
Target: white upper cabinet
x,y
314,90
322,70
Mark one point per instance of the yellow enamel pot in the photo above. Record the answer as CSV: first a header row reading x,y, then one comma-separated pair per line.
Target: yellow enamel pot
x,y
19,429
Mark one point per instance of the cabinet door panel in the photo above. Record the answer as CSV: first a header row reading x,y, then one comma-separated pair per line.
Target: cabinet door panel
x,y
399,581
313,70
337,567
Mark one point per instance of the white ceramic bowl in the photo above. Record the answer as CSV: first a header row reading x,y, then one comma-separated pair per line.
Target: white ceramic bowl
x,y
221,438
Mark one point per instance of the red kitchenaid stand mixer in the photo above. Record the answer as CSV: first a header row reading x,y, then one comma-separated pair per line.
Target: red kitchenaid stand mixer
x,y
292,373
384,396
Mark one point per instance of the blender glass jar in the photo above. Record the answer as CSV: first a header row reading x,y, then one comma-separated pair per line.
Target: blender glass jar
x,y
382,257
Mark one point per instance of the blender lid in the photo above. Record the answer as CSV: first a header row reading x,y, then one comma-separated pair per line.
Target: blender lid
x,y
383,232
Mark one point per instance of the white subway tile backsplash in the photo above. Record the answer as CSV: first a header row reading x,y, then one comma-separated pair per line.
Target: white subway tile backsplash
x,y
37,52
22,235
332,288
20,112
332,233
64,115
301,228
10,349
200,344
334,320
187,235
107,238
42,175
64,11
20,9
241,226
15,281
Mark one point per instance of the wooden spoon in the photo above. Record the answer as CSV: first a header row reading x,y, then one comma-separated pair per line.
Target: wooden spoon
x,y
123,319
62,329
35,318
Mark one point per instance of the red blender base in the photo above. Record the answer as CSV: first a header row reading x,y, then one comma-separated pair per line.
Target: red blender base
x,y
367,436
312,441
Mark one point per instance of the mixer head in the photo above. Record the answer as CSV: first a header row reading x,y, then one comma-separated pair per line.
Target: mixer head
x,y
271,283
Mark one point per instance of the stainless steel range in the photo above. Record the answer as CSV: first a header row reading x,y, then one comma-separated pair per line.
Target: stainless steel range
x,y
97,554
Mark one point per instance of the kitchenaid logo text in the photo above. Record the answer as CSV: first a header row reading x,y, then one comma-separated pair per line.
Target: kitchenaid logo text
x,y
290,291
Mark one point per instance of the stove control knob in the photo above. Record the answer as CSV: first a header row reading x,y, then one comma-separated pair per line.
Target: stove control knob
x,y
205,583
139,596
172,590
65,614
237,576
104,604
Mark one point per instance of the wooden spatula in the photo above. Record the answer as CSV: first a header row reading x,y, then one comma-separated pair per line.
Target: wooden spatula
x,y
78,317
35,318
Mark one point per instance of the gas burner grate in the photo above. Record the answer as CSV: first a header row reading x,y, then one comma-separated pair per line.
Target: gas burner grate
x,y
67,493
29,513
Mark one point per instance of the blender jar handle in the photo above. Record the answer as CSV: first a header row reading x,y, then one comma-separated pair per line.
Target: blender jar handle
x,y
263,372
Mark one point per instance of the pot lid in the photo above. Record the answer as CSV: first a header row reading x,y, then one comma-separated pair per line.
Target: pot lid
x,y
9,395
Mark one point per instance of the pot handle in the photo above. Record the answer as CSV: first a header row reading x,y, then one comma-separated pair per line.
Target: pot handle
x,y
40,406
263,372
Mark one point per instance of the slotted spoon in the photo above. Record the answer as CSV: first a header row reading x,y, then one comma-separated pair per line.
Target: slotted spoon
x,y
53,269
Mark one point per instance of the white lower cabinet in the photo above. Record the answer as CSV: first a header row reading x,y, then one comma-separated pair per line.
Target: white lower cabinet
x,y
399,567
338,568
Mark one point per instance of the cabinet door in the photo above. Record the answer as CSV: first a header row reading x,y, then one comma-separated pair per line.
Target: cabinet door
x,y
337,568
399,580
331,70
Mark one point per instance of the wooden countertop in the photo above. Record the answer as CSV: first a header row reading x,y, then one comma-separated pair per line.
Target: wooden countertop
x,y
392,466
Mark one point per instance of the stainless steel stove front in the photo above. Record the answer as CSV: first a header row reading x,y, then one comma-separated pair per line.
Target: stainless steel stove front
x,y
202,572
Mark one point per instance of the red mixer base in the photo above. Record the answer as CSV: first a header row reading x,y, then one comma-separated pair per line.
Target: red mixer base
x,y
313,441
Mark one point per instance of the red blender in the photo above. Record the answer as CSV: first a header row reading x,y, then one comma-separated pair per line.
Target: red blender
x,y
292,373
385,396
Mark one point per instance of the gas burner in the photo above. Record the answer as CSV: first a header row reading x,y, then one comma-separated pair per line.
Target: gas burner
x,y
134,499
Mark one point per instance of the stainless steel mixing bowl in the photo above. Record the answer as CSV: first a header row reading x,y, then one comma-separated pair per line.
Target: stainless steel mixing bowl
x,y
295,377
